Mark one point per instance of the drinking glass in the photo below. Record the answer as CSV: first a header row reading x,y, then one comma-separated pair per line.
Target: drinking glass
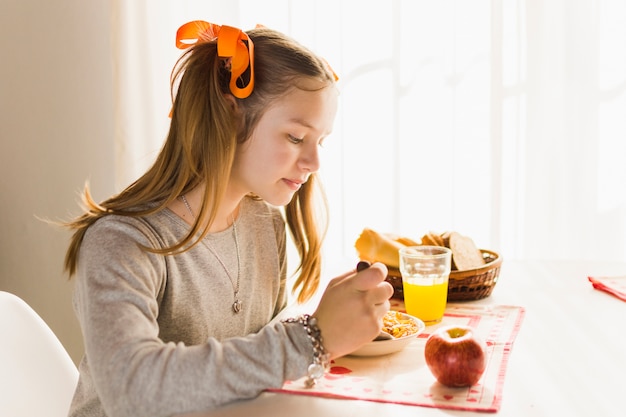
x,y
425,273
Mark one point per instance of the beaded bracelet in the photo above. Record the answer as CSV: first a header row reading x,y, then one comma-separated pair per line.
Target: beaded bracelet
x,y
321,361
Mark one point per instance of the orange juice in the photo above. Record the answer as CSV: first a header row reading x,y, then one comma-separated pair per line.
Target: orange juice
x,y
426,300
425,271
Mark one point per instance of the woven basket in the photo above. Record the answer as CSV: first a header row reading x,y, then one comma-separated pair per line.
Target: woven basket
x,y
467,285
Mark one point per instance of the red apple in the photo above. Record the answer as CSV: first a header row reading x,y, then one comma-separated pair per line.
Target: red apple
x,y
455,356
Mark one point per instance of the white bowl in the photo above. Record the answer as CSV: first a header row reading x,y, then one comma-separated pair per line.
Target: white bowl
x,y
385,347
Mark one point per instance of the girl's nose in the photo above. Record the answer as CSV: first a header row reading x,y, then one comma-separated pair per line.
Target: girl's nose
x,y
310,159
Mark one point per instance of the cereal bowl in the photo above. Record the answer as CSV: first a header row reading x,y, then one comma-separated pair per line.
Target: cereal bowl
x,y
414,327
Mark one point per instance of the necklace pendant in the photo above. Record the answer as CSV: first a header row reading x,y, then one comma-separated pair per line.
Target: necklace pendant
x,y
237,306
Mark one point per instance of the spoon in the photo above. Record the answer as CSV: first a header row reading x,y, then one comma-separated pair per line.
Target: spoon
x,y
363,265
383,336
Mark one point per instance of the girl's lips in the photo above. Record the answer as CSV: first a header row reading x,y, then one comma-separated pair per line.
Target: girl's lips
x,y
293,184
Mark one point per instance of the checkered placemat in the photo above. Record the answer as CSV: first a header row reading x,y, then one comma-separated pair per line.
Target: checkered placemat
x,y
404,378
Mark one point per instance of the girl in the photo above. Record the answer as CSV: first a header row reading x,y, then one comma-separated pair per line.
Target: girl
x,y
179,276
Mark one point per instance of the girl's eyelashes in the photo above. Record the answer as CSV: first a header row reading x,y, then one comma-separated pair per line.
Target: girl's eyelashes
x,y
295,140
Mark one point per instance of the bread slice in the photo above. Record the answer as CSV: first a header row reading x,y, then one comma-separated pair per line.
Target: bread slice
x,y
375,247
406,241
446,239
432,239
465,254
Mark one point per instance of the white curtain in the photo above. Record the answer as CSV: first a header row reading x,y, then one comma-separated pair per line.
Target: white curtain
x,y
502,120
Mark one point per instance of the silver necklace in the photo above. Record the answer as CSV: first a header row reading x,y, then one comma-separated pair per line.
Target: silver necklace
x,y
236,304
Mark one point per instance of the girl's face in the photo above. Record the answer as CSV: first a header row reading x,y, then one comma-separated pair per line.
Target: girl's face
x,y
283,150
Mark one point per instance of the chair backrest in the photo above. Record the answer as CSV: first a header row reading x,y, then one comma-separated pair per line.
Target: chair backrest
x,y
37,376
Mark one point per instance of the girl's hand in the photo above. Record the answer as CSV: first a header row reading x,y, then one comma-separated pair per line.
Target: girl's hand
x,y
351,310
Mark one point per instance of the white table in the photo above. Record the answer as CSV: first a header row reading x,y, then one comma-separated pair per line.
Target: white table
x,y
569,357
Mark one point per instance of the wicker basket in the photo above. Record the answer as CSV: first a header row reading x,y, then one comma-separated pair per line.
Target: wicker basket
x,y
471,284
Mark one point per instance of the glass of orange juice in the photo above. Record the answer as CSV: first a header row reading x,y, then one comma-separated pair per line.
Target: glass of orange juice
x,y
425,273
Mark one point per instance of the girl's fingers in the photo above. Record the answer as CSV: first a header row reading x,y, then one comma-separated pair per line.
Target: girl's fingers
x,y
370,278
382,293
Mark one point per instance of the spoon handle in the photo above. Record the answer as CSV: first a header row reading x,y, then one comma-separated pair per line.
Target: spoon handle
x,y
362,265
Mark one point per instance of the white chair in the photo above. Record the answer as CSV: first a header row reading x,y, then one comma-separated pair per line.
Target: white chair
x,y
37,376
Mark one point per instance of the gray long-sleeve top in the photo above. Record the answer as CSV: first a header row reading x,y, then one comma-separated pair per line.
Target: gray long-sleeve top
x,y
161,337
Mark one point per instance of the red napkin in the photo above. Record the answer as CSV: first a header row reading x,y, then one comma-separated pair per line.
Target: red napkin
x,y
612,285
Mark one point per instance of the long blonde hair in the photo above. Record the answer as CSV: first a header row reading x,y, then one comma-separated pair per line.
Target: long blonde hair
x,y
204,133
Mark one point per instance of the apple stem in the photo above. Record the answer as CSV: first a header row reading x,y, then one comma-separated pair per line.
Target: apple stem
x,y
456,332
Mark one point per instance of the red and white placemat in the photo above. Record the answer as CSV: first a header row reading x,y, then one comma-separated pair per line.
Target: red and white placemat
x,y
613,285
404,378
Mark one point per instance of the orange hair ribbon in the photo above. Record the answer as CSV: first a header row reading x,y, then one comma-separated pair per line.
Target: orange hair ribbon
x,y
232,43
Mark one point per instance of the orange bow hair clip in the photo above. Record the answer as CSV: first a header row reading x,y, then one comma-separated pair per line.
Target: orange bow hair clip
x,y
232,43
